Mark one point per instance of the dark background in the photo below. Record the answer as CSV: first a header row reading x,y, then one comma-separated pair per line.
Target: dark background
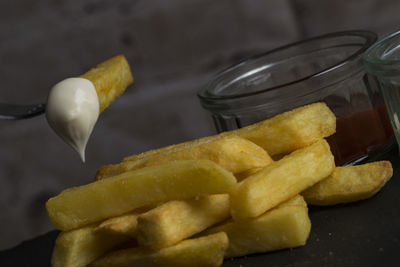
x,y
173,47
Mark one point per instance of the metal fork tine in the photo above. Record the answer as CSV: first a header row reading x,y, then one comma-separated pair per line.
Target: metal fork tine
x,y
16,112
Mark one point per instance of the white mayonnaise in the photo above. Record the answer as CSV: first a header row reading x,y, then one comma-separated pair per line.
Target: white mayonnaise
x,y
72,110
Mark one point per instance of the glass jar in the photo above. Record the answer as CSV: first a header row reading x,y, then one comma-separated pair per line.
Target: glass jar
x,y
383,61
327,68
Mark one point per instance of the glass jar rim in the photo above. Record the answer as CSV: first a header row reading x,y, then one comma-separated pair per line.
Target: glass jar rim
x,y
368,36
372,55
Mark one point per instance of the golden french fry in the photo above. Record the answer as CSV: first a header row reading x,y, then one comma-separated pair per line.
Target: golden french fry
x,y
285,226
206,251
281,180
110,78
77,248
281,134
231,152
79,206
176,220
125,224
243,175
350,184
291,130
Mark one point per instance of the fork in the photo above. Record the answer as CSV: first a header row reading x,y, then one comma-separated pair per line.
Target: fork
x,y
17,112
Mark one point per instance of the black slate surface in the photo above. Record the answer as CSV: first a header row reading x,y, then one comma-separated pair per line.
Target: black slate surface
x,y
366,233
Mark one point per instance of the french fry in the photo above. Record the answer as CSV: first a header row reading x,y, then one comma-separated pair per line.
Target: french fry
x,y
79,206
285,226
110,78
243,175
291,130
176,220
77,248
231,152
281,134
206,251
281,180
350,184
125,224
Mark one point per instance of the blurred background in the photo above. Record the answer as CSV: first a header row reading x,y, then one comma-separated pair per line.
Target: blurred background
x,y
174,47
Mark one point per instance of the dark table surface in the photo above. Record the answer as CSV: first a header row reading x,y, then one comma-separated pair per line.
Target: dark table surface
x,y
366,233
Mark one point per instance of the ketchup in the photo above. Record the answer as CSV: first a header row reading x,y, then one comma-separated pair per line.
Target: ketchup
x,y
360,134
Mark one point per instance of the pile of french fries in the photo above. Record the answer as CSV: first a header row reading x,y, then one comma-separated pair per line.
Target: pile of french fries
x,y
193,204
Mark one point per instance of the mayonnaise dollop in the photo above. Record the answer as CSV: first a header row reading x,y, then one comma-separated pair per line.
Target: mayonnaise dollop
x,y
72,110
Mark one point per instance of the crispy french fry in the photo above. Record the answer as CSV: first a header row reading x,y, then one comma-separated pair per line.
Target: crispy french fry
x,y
176,220
291,130
243,175
350,184
79,206
125,224
206,251
77,248
281,134
231,152
110,79
281,180
285,226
